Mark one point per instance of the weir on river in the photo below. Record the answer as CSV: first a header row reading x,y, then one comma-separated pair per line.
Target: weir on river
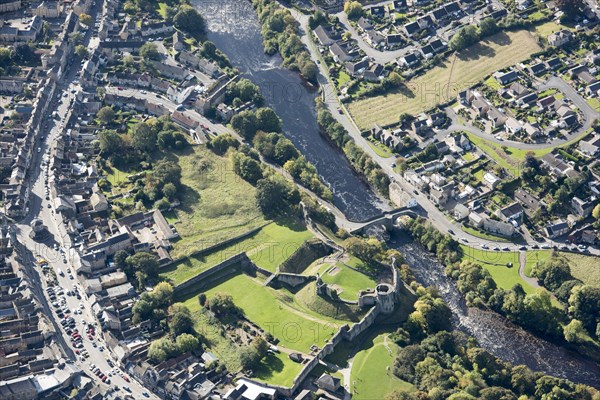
x,y
234,28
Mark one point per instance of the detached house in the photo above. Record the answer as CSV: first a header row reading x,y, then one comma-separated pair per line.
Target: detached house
x,y
559,38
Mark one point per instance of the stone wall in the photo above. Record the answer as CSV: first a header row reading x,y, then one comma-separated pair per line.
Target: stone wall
x,y
235,264
292,280
220,245
310,251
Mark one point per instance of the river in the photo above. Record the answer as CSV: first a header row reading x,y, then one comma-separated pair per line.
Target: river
x,y
492,331
234,28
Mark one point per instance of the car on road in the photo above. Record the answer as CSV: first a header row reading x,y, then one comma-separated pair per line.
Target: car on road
x,y
523,248
464,240
505,249
145,394
450,231
496,249
126,388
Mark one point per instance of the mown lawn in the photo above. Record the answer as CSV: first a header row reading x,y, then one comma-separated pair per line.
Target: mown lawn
x,y
549,27
275,312
267,248
347,280
380,149
594,103
442,83
496,263
371,375
216,204
277,369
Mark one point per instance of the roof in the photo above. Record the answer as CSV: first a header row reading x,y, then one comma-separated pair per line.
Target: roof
x,y
412,27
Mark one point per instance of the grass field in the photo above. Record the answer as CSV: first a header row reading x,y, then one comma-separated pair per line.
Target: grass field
x,y
371,375
547,28
343,278
267,248
275,312
496,263
277,369
216,204
584,268
442,83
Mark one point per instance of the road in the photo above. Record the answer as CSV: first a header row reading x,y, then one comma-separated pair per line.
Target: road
x,y
437,217
588,114
30,250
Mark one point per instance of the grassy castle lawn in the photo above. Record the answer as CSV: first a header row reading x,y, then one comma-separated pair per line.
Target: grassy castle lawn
x,y
275,312
267,248
347,280
216,204
371,376
442,83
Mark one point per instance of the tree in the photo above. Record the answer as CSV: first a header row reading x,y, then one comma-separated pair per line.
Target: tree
x,y
267,120
464,38
189,20
353,9
284,151
180,320
186,342
169,190
394,80
142,262
487,27
309,71
143,138
81,50
275,196
552,273
222,304
106,115
167,171
162,349
585,306
596,212
86,19
574,332
247,168
149,51
222,143
209,49
110,142
202,299
570,7
245,123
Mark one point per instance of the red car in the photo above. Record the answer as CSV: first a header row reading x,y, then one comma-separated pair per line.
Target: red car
x,y
125,378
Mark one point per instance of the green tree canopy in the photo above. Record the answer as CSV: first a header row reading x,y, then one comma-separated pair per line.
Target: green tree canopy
x,y
189,20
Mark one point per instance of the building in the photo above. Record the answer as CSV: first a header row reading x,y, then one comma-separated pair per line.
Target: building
x,y
498,227
590,147
491,180
48,9
504,78
10,5
530,204
556,228
513,212
582,208
460,212
326,36
328,382
559,38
